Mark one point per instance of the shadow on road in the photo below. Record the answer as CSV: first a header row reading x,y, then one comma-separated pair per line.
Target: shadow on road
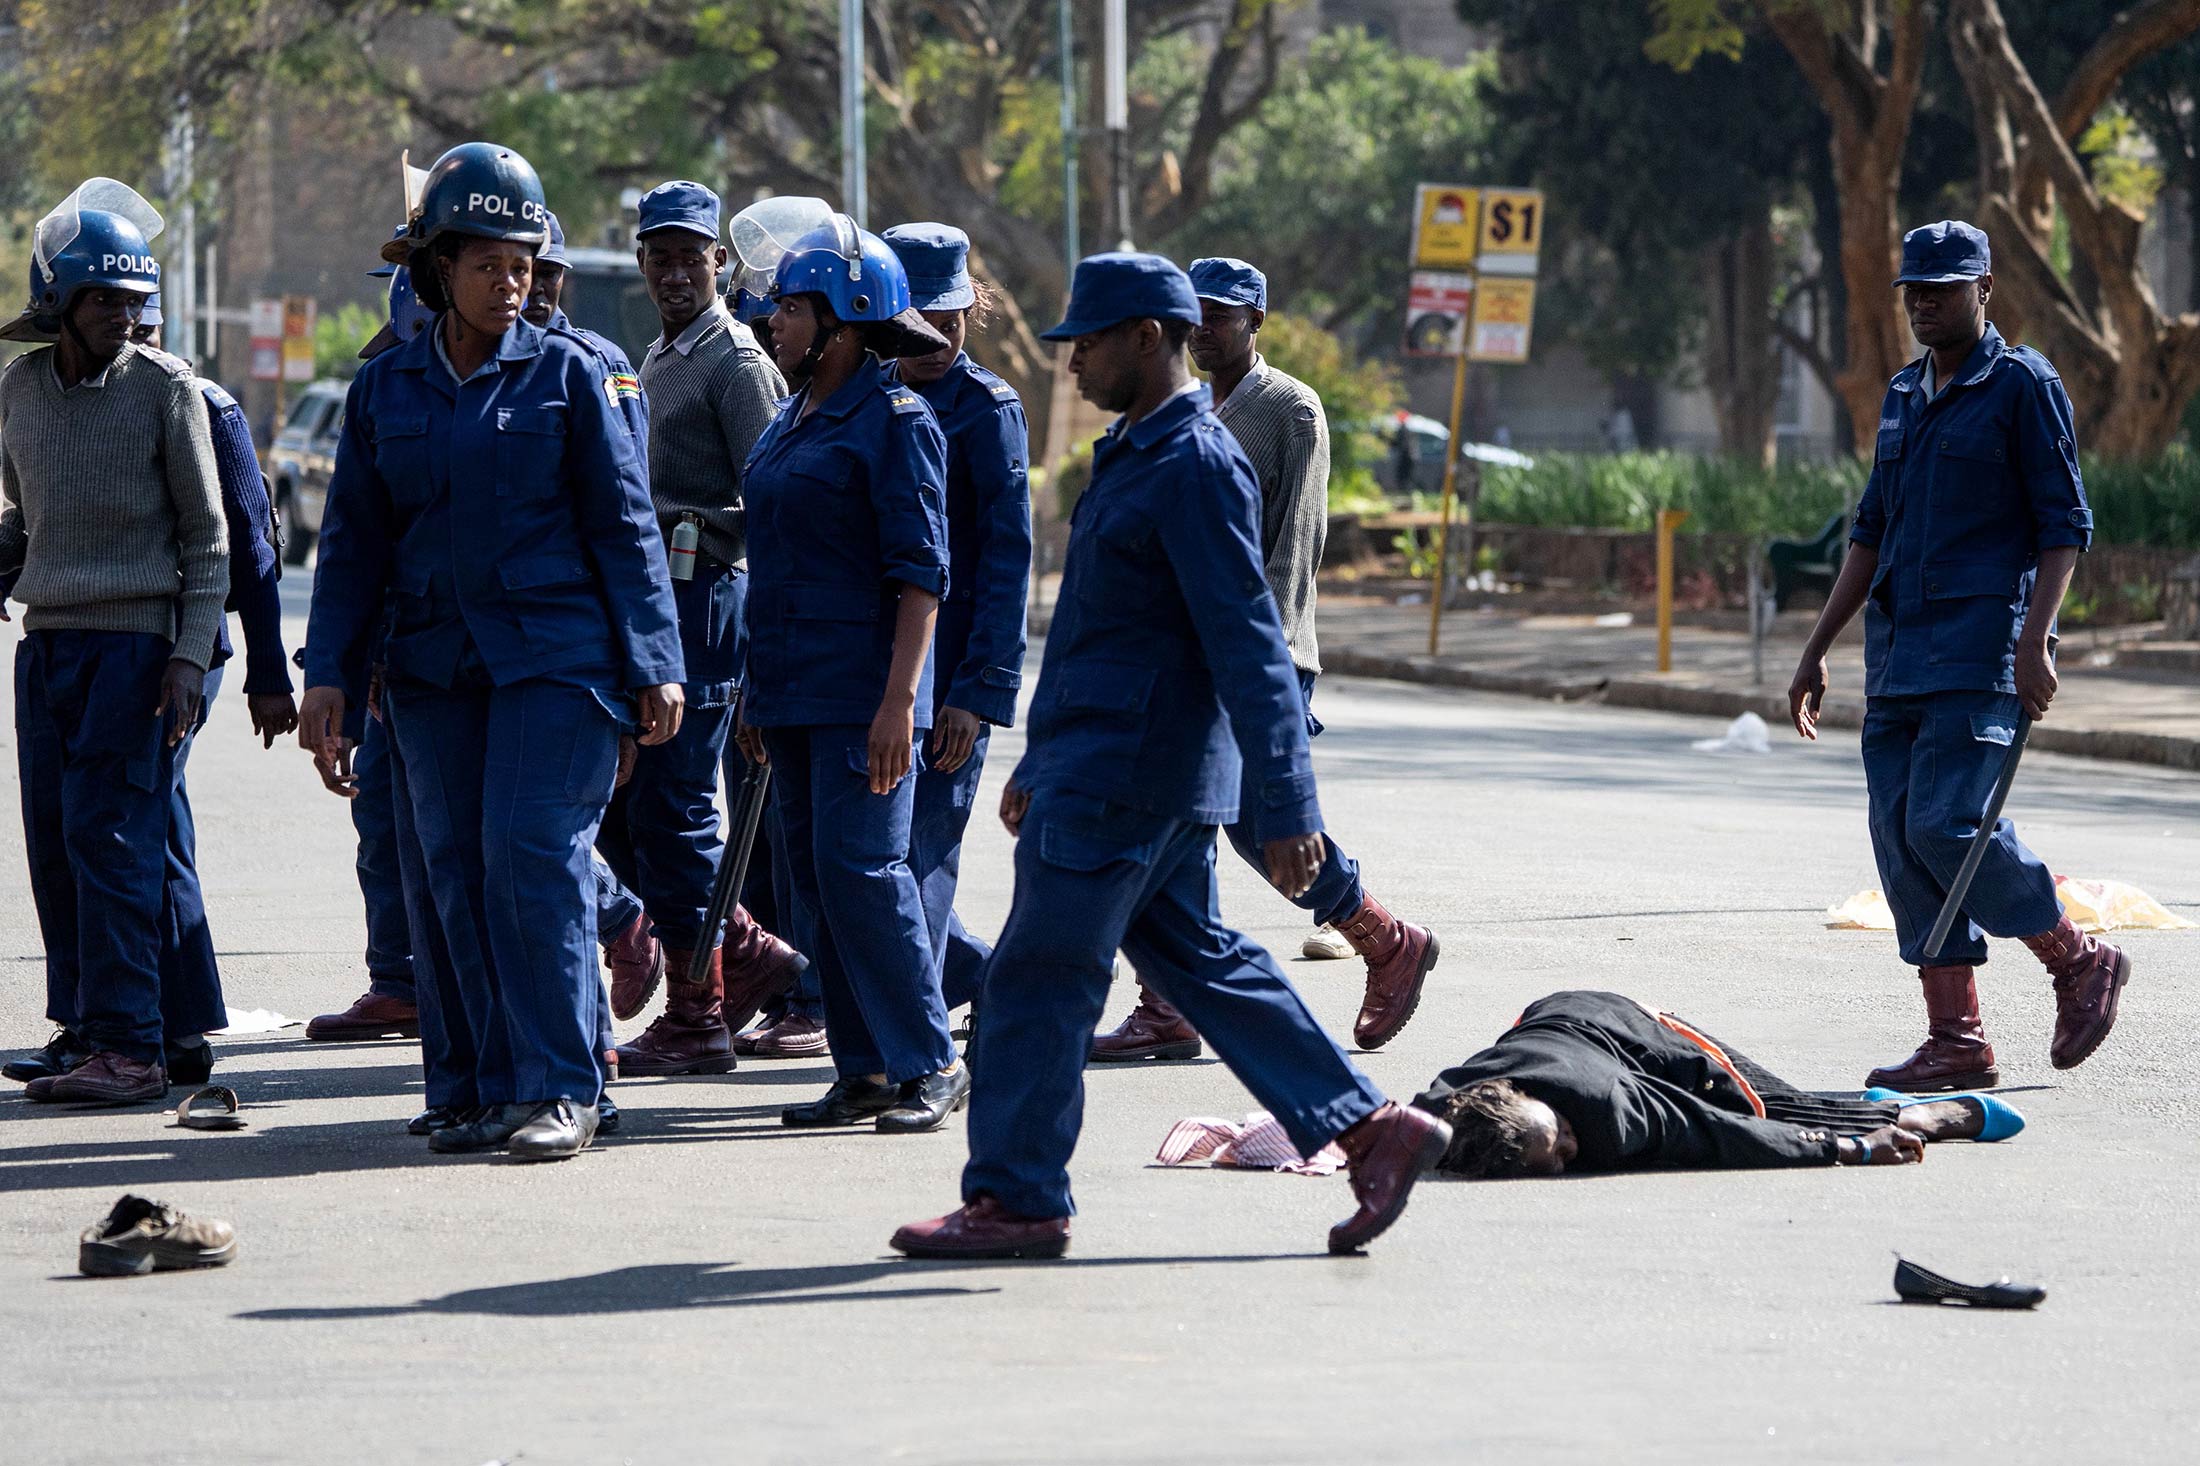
x,y
667,1287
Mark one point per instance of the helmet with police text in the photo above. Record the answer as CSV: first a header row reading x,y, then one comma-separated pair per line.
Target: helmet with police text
x,y
760,235
98,238
485,191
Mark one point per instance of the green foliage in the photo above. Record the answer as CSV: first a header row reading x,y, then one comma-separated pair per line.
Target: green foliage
x,y
1356,397
2122,164
338,336
1626,491
1689,30
2155,503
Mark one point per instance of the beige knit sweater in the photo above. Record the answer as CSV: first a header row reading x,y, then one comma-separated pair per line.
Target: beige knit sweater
x,y
110,503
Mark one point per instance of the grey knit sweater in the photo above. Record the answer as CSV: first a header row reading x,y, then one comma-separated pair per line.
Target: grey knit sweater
x,y
110,502
1278,420
712,392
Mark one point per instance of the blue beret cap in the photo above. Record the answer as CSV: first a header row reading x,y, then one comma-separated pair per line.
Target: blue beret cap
x,y
936,259
679,205
553,248
1112,288
1938,253
1230,282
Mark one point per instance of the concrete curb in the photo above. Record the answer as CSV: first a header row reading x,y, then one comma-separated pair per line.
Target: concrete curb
x,y
1655,695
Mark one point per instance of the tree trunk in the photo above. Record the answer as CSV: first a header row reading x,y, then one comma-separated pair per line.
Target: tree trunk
x,y
1741,358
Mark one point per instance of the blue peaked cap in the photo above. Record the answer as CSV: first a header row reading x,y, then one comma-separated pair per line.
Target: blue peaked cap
x,y
1112,288
679,204
553,248
1229,282
1938,253
936,257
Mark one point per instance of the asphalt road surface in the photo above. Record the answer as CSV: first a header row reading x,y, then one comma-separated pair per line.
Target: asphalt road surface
x,y
708,1286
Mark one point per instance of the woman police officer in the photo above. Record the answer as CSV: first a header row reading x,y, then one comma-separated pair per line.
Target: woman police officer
x,y
489,492
848,557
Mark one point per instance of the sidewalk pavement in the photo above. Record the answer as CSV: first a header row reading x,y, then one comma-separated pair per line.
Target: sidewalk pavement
x,y
2112,704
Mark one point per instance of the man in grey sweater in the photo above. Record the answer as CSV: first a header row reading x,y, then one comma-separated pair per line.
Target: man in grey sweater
x,y
112,537
711,392
1278,420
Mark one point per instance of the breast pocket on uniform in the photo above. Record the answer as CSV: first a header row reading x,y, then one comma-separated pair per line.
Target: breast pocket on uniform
x,y
530,452
401,456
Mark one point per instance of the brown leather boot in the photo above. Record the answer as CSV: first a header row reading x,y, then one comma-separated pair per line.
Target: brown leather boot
x,y
637,963
1387,1152
690,1036
758,967
1399,956
1955,1054
2089,983
1153,1031
370,1016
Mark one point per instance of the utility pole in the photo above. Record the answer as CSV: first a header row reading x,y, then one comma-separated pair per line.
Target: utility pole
x,y
852,193
1116,116
1072,236
179,293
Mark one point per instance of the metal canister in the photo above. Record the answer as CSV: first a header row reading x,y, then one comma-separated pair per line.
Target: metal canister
x,y
686,536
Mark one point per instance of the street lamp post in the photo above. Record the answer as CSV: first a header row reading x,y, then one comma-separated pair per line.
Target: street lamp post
x,y
852,190
1116,113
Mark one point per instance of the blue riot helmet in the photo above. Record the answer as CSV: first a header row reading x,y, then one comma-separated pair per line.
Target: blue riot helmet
x,y
760,235
863,285
151,315
98,238
479,190
408,316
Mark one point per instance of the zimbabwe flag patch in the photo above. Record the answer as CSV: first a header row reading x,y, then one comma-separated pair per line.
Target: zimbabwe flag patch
x,y
622,387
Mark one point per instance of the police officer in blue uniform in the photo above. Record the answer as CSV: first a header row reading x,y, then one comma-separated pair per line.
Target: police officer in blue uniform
x,y
1165,666
978,649
487,488
849,547
190,980
1963,547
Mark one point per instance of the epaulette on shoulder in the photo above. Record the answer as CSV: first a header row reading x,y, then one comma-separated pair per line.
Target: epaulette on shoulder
x,y
899,399
217,396
994,385
174,366
2039,366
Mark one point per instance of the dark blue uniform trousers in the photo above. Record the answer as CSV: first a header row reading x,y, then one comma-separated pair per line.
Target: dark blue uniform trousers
x,y
381,880
860,918
1092,877
943,806
661,837
1336,892
190,979
505,788
97,778
1929,765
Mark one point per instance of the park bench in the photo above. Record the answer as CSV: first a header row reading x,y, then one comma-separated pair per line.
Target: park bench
x,y
1813,562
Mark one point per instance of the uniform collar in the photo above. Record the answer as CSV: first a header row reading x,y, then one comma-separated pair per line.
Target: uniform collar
x,y
96,379
1254,376
426,349
955,369
1975,369
692,334
860,384
1187,402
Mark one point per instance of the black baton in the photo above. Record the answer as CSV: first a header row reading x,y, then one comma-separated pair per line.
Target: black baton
x,y
1960,887
733,866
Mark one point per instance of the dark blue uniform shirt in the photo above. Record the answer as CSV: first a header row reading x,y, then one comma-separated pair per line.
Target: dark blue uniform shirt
x,y
1165,664
626,387
979,646
1967,488
507,517
845,507
253,571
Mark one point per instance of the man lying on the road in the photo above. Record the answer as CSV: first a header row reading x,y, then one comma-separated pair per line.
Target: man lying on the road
x,y
1591,1081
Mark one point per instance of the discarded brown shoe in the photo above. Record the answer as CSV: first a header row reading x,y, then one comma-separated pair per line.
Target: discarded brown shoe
x,y
983,1229
141,1236
109,1078
637,963
1955,1054
1154,1030
2089,982
371,1016
1399,957
1386,1152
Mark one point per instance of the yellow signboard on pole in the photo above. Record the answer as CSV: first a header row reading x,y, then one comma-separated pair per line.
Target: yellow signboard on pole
x,y
1445,227
1512,231
1504,311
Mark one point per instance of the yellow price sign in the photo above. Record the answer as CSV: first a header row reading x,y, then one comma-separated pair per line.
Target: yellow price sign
x,y
1504,313
1444,227
1512,230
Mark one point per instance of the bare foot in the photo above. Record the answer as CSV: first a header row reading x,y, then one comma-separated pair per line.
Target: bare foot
x,y
1953,1119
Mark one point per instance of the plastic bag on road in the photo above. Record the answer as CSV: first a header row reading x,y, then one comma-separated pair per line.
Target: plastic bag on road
x,y
2092,906
1746,734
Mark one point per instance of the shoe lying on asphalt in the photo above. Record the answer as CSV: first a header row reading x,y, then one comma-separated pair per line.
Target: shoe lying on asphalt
x,y
141,1236
983,1229
63,1052
370,1016
1326,944
109,1078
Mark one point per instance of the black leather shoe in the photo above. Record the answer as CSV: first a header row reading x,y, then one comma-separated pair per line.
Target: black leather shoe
x,y
63,1052
487,1129
558,1130
848,1102
926,1103
190,1062
607,1117
437,1117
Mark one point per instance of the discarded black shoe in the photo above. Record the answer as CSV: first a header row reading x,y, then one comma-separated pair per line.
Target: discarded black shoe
x,y
141,1236
1913,1284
